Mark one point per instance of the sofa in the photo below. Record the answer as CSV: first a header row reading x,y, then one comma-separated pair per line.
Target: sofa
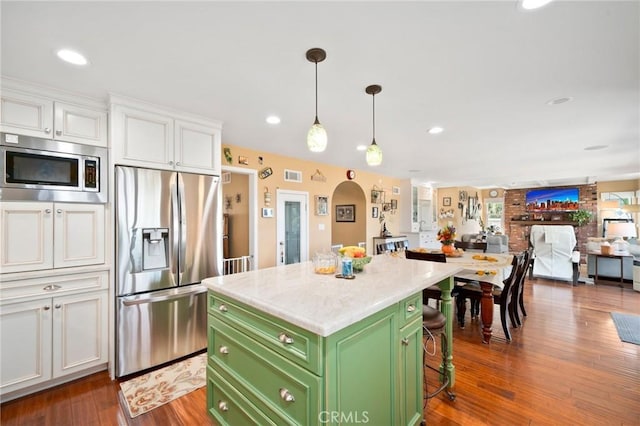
x,y
496,243
609,268
553,251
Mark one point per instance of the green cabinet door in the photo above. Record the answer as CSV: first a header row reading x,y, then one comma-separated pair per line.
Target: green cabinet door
x,y
410,373
360,380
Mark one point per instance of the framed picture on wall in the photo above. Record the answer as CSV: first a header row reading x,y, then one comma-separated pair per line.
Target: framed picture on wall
x,y
374,212
446,201
377,196
322,205
345,213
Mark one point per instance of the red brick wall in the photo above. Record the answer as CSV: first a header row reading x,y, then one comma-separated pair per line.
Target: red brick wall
x,y
514,207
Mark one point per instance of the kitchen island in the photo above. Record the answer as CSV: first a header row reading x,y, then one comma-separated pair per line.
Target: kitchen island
x,y
289,346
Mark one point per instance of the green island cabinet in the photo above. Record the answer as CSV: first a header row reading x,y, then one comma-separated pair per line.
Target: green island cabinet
x,y
264,370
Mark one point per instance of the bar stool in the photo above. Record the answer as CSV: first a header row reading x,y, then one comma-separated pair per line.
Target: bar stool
x,y
433,324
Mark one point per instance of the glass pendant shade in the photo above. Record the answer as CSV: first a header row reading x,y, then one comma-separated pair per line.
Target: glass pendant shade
x,y
317,137
374,154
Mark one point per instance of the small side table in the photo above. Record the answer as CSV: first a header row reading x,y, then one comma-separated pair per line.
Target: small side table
x,y
620,257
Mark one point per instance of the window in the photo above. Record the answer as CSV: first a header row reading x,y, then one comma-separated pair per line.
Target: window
x,y
495,214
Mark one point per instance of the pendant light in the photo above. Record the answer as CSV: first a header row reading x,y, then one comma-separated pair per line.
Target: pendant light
x,y
374,153
317,136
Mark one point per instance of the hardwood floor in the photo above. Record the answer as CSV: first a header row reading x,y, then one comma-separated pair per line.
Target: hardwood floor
x,y
566,365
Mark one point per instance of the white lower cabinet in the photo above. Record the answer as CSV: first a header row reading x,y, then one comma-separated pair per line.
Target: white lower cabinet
x,y
27,231
51,337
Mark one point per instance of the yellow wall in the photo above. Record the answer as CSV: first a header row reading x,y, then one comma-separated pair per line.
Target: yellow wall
x,y
462,225
319,240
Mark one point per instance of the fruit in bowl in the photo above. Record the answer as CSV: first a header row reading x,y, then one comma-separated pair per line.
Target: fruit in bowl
x,y
359,262
352,251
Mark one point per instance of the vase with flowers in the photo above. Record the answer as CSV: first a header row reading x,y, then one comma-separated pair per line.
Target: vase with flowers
x,y
447,236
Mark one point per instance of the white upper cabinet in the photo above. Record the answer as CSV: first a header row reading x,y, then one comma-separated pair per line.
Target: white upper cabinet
x,y
148,136
26,114
33,115
197,147
27,232
141,138
80,124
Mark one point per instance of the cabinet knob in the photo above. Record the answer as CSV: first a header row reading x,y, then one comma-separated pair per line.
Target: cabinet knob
x,y
47,307
51,287
58,132
286,395
411,308
170,163
405,341
285,339
224,350
222,406
58,306
177,163
47,130
59,211
223,308
47,211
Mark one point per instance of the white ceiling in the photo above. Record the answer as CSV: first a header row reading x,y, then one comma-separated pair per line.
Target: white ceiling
x,y
482,70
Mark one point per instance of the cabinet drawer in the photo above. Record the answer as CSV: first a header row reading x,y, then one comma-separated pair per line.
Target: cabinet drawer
x,y
230,407
410,308
294,343
12,291
263,375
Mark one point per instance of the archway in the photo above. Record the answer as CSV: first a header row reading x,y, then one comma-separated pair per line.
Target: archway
x,y
348,227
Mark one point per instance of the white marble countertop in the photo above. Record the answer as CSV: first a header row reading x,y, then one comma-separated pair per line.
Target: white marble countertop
x,y
324,304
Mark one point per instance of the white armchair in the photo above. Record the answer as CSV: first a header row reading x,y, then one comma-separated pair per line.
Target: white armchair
x,y
552,249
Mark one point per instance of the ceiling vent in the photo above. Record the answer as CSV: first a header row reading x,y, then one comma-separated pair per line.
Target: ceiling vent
x,y
292,176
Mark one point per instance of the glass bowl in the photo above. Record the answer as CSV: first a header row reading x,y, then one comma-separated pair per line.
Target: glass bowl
x,y
325,263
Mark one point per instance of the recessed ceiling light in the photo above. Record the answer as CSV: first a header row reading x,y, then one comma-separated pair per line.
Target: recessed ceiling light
x,y
435,130
272,119
533,4
72,57
558,101
596,147
362,147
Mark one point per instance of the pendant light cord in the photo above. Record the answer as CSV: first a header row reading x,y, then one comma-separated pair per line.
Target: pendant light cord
x,y
316,62
374,117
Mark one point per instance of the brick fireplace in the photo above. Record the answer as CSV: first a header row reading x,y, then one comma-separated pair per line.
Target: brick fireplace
x,y
519,230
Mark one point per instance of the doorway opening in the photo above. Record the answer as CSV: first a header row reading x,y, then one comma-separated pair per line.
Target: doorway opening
x,y
240,194
292,227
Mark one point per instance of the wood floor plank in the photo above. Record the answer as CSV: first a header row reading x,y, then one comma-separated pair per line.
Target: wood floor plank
x,y
566,365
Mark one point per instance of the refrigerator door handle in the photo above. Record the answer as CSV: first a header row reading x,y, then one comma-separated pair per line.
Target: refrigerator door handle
x,y
183,224
175,230
137,300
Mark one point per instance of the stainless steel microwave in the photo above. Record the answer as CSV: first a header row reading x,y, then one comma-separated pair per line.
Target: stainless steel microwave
x,y
35,169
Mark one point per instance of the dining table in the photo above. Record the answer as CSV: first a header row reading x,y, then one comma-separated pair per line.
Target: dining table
x,y
489,270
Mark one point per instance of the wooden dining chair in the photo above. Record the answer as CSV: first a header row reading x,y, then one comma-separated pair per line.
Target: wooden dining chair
x,y
503,297
471,246
431,292
518,300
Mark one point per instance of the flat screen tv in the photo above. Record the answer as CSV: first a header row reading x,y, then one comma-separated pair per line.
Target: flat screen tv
x,y
550,200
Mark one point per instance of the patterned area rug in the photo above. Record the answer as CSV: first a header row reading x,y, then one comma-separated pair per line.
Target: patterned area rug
x,y
151,390
628,327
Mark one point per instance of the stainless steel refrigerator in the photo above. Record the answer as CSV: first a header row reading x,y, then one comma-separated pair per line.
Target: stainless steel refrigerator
x,y
168,239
